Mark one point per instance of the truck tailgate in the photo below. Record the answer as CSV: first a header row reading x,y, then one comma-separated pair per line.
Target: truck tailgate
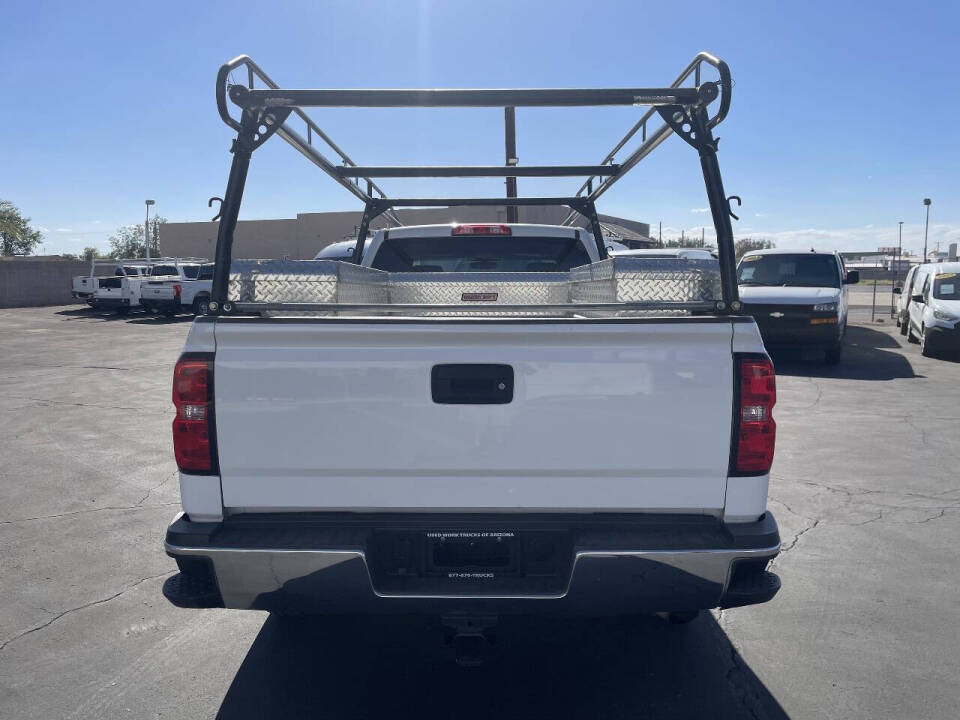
x,y
157,290
336,414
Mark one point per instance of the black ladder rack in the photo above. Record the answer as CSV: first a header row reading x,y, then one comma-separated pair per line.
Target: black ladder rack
x,y
679,108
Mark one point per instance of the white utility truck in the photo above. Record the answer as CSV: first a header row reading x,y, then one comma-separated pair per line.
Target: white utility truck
x,y
84,287
184,288
475,418
118,291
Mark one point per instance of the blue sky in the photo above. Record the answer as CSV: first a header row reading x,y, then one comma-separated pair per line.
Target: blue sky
x,y
839,127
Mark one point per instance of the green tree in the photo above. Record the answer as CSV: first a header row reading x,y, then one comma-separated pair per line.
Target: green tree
x,y
745,245
90,253
127,241
16,235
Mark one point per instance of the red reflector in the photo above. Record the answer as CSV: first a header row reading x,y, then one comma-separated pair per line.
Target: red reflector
x,y
757,430
193,398
481,230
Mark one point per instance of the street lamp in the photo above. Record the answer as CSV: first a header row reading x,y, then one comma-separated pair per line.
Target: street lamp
x,y
926,201
146,229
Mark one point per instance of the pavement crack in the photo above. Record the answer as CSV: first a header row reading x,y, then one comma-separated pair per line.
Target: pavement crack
x,y
796,538
137,506
92,603
156,487
46,401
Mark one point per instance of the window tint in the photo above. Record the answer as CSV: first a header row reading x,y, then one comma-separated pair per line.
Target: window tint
x,y
480,253
190,271
780,269
164,270
206,272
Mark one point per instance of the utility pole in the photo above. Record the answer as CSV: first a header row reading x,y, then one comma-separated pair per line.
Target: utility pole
x,y
682,238
146,229
926,201
896,272
703,237
510,145
660,234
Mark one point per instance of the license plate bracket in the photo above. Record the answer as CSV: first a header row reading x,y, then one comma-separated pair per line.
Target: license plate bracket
x,y
471,554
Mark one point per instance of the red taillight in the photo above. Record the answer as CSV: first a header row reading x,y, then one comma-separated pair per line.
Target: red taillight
x,y
176,291
193,398
756,430
481,230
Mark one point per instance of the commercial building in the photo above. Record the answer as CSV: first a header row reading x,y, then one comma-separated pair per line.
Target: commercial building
x,y
302,237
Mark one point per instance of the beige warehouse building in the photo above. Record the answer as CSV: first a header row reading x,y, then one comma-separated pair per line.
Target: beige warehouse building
x,y
302,237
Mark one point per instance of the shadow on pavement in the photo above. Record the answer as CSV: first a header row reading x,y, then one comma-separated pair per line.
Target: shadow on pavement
x,y
868,354
400,667
160,319
88,313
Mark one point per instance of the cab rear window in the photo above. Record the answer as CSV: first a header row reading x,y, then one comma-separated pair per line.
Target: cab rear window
x,y
480,253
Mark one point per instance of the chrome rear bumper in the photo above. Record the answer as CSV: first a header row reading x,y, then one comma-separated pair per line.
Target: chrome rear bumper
x,y
261,570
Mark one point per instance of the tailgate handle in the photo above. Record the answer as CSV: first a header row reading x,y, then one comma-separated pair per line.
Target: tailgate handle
x,y
468,384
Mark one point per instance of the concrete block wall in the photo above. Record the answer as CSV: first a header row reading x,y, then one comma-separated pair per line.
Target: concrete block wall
x,y
27,281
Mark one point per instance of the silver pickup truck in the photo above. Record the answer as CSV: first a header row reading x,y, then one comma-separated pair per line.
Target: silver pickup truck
x,y
474,418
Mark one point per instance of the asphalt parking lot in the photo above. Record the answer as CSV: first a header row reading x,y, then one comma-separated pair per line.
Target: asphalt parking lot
x,y
865,486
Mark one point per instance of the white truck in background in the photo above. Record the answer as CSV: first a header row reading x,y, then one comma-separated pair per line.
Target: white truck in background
x,y
185,289
84,286
113,284
476,418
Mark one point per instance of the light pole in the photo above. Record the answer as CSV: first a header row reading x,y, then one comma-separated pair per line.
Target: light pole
x,y
146,229
926,201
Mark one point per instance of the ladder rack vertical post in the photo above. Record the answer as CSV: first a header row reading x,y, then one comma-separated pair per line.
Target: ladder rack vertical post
x,y
510,145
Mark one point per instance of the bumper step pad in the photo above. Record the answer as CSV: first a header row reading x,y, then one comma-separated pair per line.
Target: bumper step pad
x,y
192,590
750,589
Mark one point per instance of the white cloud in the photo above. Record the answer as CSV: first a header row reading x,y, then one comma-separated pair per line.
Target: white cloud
x,y
699,210
838,238
64,230
760,215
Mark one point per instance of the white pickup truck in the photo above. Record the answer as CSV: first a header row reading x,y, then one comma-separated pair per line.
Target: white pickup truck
x,y
477,418
186,289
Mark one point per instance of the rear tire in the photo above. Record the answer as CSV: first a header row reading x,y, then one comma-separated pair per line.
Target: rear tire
x,y
903,326
832,355
925,348
201,306
911,338
123,311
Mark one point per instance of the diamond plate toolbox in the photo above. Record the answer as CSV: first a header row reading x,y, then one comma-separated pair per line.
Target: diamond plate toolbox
x,y
639,279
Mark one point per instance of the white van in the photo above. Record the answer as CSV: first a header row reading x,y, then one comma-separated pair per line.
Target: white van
x,y
934,308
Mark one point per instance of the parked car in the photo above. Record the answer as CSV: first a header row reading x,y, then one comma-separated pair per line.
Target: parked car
x,y
934,309
185,289
903,299
691,253
342,251
799,299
